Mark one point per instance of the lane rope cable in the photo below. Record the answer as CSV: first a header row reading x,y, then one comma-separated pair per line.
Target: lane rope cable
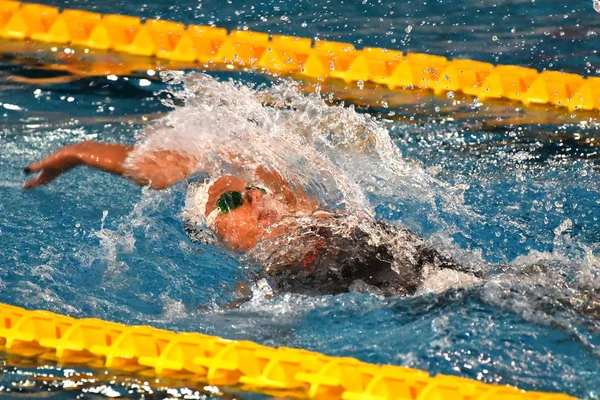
x,y
290,55
276,371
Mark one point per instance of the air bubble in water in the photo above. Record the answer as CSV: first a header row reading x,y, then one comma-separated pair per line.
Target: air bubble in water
x,y
360,84
409,28
597,6
450,94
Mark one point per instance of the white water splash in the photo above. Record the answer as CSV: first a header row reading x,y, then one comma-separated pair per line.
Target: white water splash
x,y
115,242
110,242
344,159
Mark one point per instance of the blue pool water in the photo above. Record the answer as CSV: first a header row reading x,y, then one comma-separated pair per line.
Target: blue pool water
x,y
499,186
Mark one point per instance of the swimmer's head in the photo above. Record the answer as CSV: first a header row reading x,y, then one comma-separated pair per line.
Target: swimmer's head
x,y
240,212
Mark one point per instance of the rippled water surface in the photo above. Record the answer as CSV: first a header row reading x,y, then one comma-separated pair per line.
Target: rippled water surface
x,y
499,186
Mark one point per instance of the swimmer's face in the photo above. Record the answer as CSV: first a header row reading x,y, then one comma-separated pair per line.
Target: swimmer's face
x,y
241,227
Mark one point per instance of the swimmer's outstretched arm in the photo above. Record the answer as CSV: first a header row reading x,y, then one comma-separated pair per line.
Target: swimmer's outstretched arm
x,y
158,170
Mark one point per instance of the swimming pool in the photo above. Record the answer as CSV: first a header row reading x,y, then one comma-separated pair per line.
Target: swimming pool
x,y
493,184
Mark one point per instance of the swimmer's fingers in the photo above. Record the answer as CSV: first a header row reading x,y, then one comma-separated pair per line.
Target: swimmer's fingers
x,y
44,177
52,166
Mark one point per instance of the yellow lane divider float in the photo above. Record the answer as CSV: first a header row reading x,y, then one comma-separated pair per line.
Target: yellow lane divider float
x,y
296,56
216,361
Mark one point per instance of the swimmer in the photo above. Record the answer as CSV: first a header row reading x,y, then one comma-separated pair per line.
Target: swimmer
x,y
299,246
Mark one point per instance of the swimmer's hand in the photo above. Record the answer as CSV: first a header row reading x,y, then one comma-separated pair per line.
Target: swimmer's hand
x,y
107,157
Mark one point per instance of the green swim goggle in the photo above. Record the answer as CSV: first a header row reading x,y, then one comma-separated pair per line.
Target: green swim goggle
x,y
231,200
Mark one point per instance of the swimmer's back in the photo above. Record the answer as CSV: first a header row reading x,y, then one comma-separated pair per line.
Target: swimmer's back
x,y
337,256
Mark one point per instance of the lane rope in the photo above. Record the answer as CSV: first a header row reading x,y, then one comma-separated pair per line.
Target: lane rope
x,y
276,371
296,56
